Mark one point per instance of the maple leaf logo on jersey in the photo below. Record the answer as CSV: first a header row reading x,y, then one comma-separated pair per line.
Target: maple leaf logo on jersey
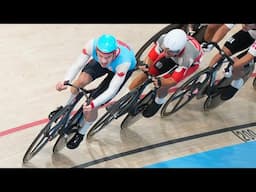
x,y
121,74
84,51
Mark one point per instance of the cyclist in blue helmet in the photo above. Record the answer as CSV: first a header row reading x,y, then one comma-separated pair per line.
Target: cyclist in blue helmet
x,y
107,43
100,56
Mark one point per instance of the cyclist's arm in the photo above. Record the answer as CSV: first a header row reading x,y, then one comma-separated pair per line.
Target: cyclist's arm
x,y
221,32
114,85
169,82
239,63
218,36
80,62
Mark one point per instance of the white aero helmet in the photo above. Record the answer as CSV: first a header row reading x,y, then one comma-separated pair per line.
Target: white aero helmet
x,y
175,40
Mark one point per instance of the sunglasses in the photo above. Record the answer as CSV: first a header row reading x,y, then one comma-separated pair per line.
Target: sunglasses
x,y
170,52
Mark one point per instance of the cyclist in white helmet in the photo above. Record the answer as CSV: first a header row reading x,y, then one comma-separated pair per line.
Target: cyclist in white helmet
x,y
175,47
100,56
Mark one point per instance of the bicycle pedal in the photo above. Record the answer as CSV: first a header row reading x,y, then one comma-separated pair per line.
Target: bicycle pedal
x,y
51,115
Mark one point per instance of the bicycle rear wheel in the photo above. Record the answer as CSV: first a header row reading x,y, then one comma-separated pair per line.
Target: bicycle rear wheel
x,y
185,93
63,140
48,133
119,108
135,114
61,143
140,53
68,132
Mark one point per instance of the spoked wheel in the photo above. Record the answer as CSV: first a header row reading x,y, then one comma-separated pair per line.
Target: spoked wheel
x,y
100,124
48,133
184,94
63,140
136,113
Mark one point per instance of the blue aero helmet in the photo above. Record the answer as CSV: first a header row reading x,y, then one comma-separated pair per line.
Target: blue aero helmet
x,y
106,43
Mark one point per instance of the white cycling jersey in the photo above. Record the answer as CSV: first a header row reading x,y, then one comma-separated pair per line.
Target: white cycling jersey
x,y
124,61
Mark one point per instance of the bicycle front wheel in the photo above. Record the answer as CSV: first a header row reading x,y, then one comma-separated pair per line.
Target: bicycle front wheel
x,y
114,111
136,113
185,93
48,133
63,139
100,124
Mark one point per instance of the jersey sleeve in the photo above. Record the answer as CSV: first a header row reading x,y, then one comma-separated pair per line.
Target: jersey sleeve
x,y
252,49
114,85
80,62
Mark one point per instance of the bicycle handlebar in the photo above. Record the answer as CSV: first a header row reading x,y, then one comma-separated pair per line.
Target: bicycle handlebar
x,y
150,77
223,54
79,89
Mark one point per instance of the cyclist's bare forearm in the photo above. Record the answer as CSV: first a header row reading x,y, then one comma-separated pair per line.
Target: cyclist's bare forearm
x,y
138,80
168,82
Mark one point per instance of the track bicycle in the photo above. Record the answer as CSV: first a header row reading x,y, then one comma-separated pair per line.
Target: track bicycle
x,y
214,100
131,104
127,103
200,84
61,121
204,83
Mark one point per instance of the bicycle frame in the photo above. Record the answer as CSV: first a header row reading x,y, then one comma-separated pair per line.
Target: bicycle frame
x,y
195,86
211,88
119,109
63,121
126,104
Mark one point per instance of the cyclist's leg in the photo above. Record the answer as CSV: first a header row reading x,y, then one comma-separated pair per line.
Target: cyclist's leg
x,y
159,99
141,77
173,79
239,41
90,117
210,31
162,66
93,70
138,80
239,77
83,79
115,110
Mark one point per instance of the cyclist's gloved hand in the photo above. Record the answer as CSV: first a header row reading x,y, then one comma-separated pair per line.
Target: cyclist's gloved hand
x,y
206,47
87,107
228,71
60,86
